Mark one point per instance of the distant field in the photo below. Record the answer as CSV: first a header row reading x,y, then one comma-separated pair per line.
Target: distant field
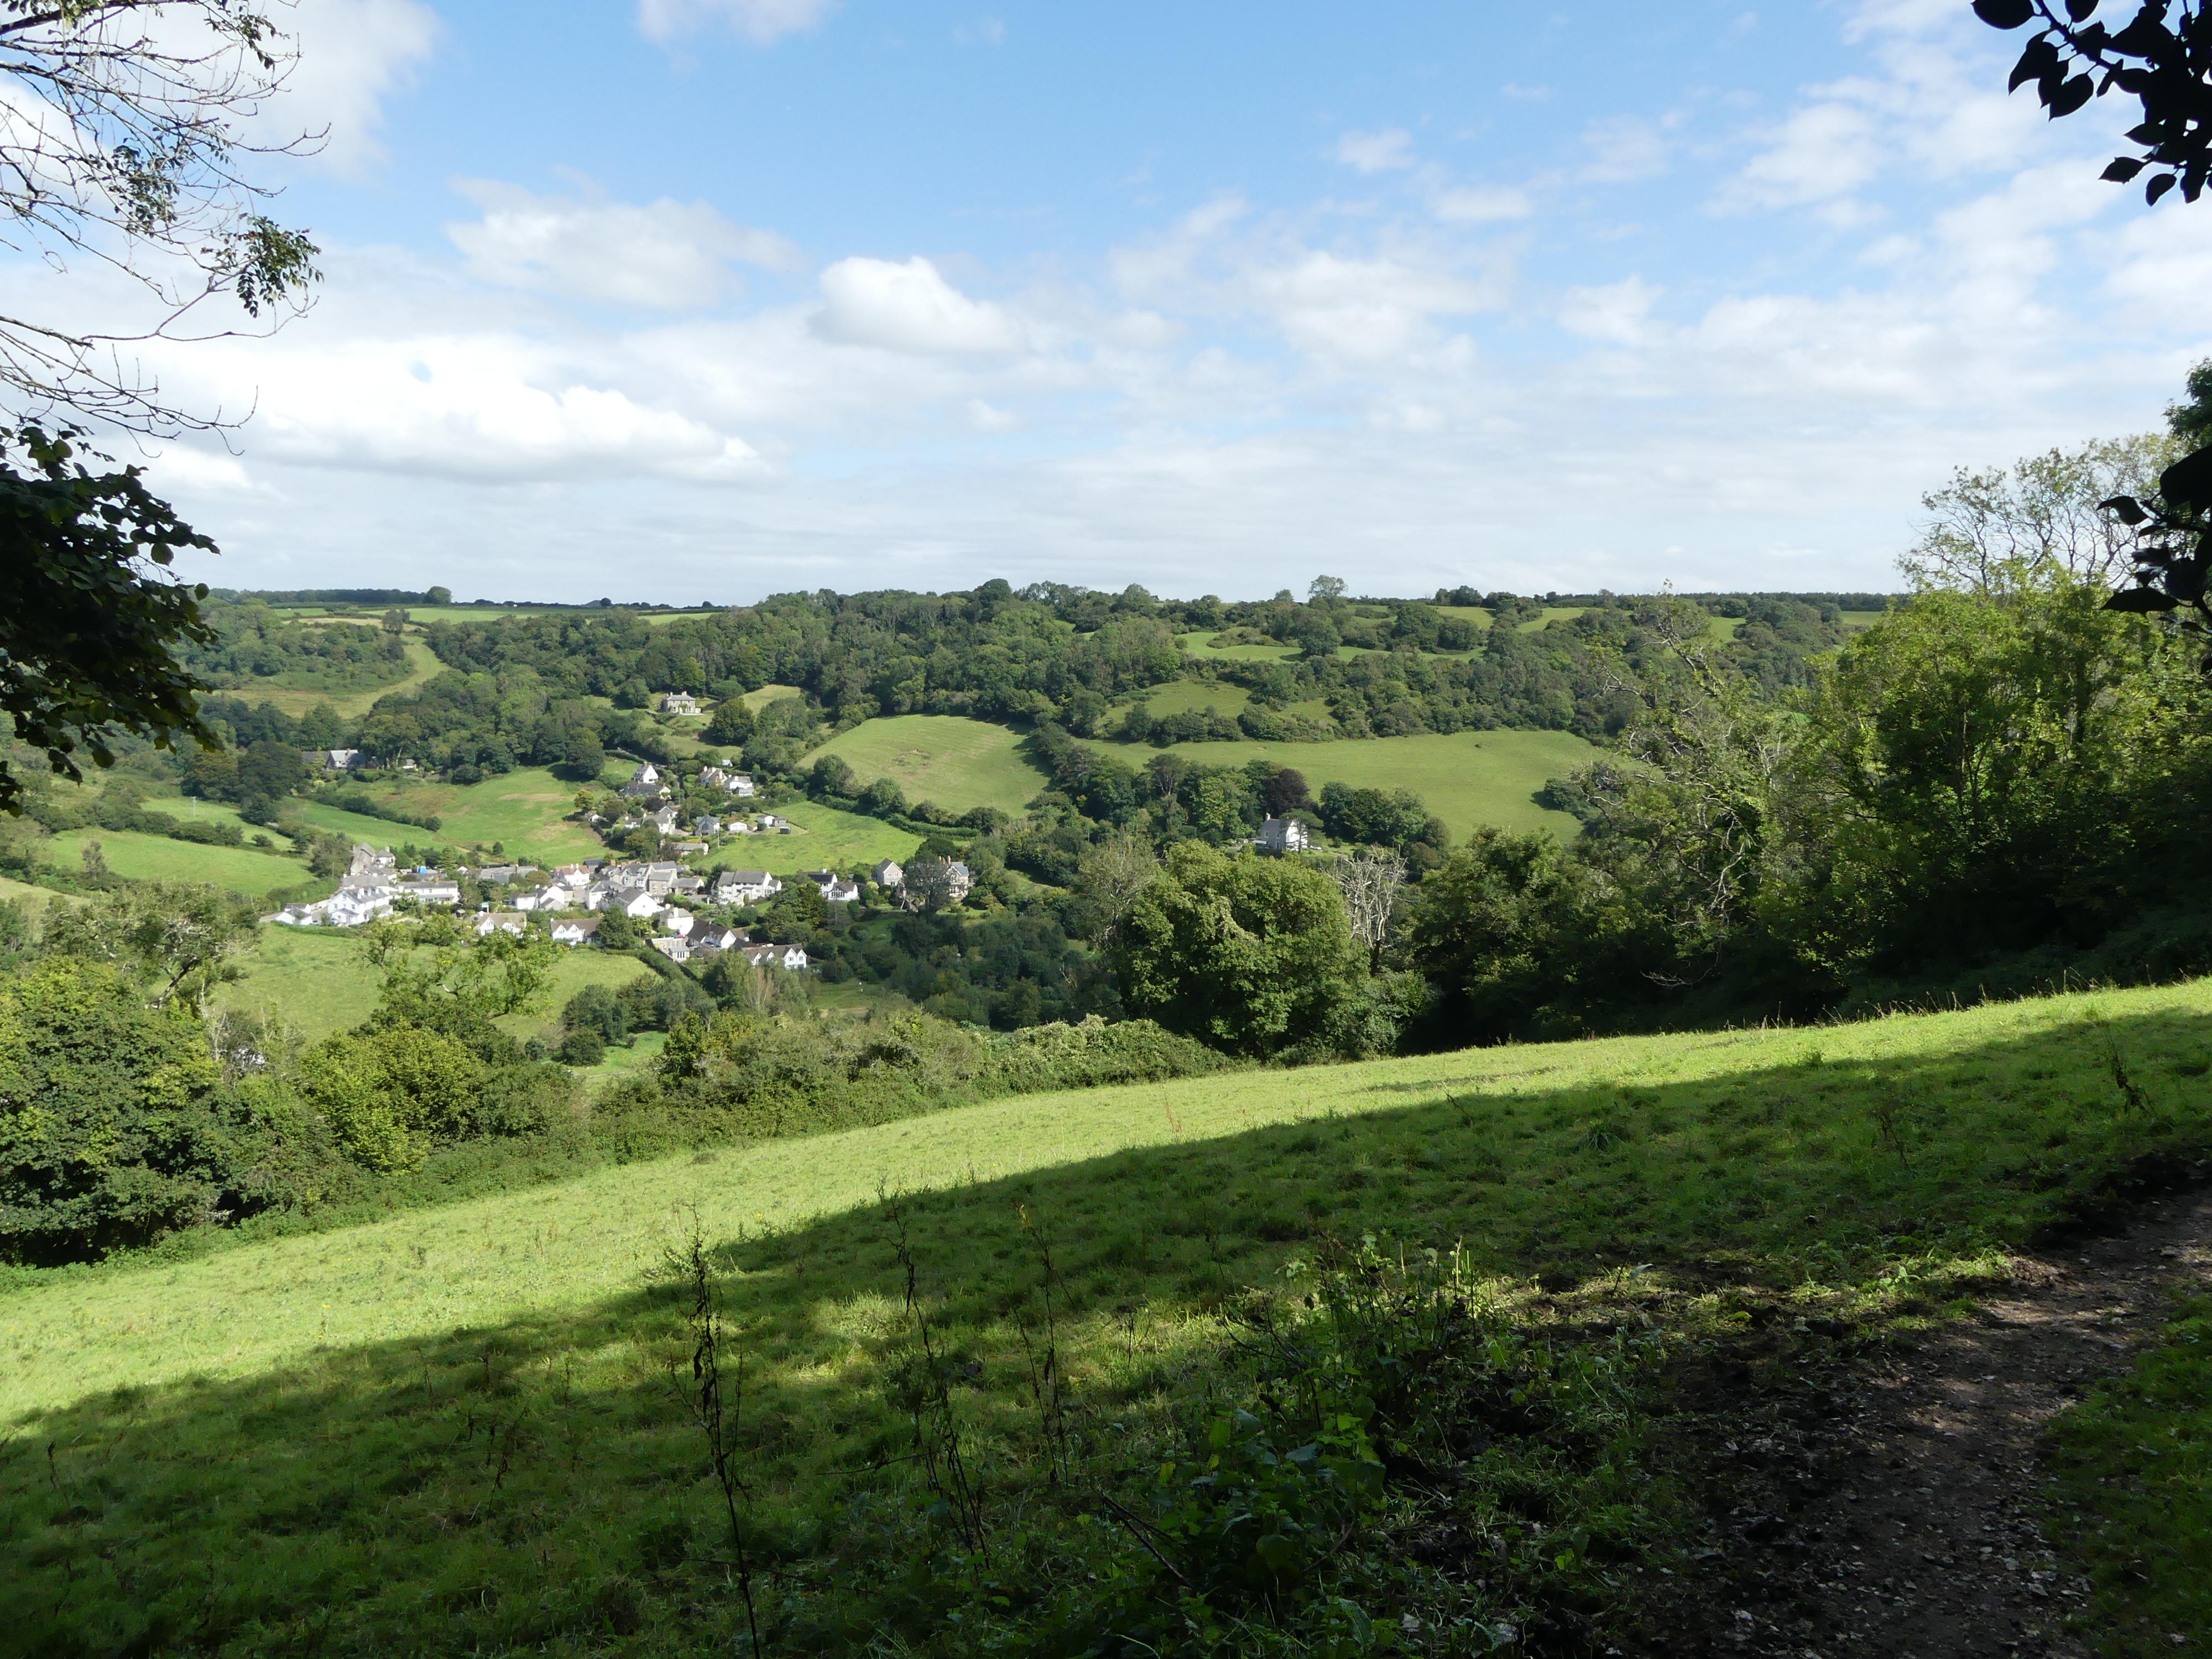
x,y
1189,696
759,700
1467,778
1856,621
1195,642
297,701
572,971
956,762
359,828
157,858
33,899
316,983
525,809
832,840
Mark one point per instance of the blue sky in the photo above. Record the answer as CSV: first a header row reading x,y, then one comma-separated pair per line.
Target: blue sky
x,y
708,299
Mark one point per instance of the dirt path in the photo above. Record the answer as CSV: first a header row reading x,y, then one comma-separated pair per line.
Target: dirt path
x,y
1894,1510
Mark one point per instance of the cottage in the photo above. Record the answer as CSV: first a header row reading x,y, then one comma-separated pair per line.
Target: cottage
x,y
687,849
1283,835
664,819
888,874
769,821
731,783
746,886
552,896
838,889
678,923
503,875
575,930
673,948
339,760
502,921
790,957
679,702
716,936
706,825
958,879
661,877
688,886
427,889
644,784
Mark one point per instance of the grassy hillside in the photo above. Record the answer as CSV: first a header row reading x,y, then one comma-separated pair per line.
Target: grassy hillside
x,y
524,808
157,858
296,701
316,983
456,1431
958,763
1468,777
826,839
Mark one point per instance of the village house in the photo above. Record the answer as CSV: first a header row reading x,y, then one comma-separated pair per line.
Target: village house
x,y
686,849
678,923
553,897
888,874
688,886
769,821
679,702
575,930
337,760
733,783
673,948
706,825
958,880
790,957
644,785
502,921
427,889
716,936
664,819
838,889
1282,835
746,886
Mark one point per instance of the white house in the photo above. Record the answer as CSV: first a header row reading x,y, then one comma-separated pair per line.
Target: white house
x,y
888,873
427,889
553,897
502,921
664,819
838,889
746,886
769,821
678,923
679,702
341,760
790,957
575,930
716,936
734,783
673,948
958,879
1283,835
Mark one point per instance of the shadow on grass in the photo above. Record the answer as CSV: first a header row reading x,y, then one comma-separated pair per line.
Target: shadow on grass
x,y
537,1483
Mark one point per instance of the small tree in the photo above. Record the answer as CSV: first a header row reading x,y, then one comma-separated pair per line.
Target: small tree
x,y
1369,881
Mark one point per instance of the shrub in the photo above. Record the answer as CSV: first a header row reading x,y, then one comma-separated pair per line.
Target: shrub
x,y
113,1126
389,1095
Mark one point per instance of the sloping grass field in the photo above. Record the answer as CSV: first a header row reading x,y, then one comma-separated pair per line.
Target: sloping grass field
x,y
1467,778
955,762
299,700
157,858
526,809
464,1430
828,839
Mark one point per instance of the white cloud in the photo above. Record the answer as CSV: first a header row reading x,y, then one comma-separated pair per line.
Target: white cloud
x,y
909,307
663,255
985,418
1618,314
1480,204
1361,312
1376,152
1624,149
762,21
354,56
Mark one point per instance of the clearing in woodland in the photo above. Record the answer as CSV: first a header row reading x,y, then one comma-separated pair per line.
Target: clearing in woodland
x,y
1466,778
465,1429
941,758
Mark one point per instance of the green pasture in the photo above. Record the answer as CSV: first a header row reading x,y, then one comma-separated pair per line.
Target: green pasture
x,y
526,809
766,694
456,1431
572,969
1196,643
1467,778
825,838
315,980
299,700
157,858
1189,696
358,827
955,762
1856,622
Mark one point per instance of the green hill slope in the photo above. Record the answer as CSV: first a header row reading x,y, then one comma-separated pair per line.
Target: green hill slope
x,y
958,763
458,1427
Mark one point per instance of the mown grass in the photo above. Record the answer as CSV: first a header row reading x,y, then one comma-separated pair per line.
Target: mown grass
x,y
462,1429
1467,778
157,858
943,758
2134,1492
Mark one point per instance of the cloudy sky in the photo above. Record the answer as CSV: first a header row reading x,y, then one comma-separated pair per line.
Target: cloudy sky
x,y
696,300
